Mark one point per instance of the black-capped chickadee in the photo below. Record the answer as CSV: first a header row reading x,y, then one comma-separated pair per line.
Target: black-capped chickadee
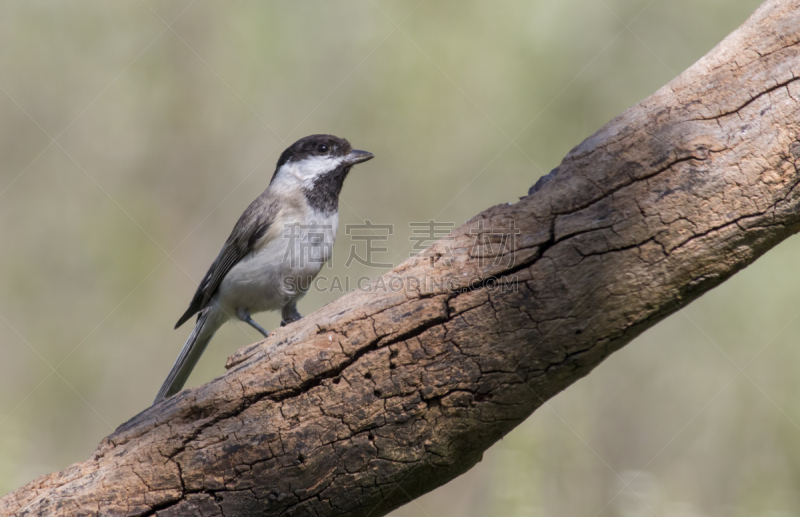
x,y
275,250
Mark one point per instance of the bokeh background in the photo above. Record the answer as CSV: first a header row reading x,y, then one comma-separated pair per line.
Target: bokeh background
x,y
133,134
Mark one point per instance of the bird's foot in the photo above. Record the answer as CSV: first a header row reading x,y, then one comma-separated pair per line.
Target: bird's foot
x,y
244,315
290,314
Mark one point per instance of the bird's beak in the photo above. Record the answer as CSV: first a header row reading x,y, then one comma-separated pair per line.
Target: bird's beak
x,y
356,156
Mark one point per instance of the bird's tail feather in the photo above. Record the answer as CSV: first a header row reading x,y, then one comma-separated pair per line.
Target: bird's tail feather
x,y
203,331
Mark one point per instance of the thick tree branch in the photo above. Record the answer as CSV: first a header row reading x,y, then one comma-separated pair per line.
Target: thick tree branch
x,y
382,396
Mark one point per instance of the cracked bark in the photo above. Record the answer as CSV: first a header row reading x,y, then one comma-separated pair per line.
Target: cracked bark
x,y
382,396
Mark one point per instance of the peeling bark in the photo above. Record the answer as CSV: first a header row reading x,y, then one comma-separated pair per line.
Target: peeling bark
x,y
382,396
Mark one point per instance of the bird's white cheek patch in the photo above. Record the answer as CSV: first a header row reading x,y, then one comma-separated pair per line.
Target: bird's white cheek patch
x,y
307,170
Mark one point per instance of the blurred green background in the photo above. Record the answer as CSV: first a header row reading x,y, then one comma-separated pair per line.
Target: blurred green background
x,y
168,118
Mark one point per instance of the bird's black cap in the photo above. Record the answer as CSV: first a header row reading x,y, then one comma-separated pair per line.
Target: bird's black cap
x,y
314,145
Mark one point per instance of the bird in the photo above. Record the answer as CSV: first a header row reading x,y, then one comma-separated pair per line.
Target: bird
x,y
275,249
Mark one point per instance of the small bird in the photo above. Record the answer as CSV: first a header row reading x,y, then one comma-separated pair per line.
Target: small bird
x,y
275,250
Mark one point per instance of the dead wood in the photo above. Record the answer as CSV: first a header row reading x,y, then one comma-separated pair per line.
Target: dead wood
x,y
382,396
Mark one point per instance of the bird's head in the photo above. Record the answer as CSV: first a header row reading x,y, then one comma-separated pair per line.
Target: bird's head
x,y
316,161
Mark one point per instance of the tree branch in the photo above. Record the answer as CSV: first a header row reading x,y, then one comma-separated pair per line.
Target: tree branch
x,y
382,396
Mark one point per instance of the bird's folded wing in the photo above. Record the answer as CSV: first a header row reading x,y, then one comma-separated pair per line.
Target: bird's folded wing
x,y
251,226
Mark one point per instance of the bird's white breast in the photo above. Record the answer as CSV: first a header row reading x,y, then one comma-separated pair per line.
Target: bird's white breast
x,y
282,265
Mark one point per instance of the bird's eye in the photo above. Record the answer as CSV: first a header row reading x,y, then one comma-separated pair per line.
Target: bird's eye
x,y
322,148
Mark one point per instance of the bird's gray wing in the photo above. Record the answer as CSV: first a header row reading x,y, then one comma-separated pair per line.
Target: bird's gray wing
x,y
251,226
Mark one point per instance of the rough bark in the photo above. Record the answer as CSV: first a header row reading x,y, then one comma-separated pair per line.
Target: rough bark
x,y
382,396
